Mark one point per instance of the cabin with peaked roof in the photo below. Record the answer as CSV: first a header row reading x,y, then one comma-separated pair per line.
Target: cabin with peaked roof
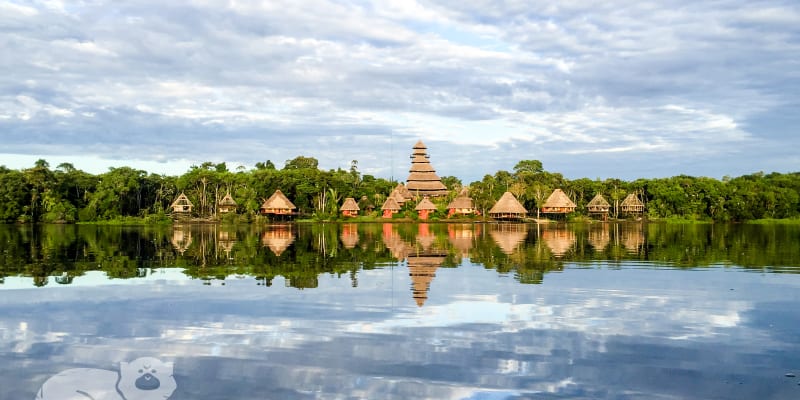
x,y
598,205
390,207
349,208
404,192
182,204
632,205
398,197
277,204
461,205
558,203
425,208
508,207
422,179
226,205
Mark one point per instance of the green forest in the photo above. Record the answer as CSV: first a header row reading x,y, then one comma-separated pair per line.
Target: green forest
x,y
65,194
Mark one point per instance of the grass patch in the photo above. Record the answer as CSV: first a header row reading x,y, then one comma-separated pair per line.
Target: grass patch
x,y
772,221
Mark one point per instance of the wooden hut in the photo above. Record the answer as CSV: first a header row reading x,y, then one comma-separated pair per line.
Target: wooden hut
x,y
508,207
366,204
599,206
558,203
390,207
277,204
182,205
425,208
632,205
226,205
349,208
461,205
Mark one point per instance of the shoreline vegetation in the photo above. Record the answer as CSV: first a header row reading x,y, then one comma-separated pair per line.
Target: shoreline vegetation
x,y
127,196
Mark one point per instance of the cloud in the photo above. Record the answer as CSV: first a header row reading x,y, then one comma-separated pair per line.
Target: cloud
x,y
640,81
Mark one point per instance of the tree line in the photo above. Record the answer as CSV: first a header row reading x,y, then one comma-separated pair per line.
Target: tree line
x,y
67,194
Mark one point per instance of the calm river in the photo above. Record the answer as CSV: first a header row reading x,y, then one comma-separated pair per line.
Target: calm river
x,y
401,311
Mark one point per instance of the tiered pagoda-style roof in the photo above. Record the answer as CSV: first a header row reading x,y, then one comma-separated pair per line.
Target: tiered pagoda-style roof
x,y
422,179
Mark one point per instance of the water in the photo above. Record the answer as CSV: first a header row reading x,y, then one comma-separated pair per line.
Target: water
x,y
409,311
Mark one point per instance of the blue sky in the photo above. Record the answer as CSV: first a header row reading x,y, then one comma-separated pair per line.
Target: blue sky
x,y
621,89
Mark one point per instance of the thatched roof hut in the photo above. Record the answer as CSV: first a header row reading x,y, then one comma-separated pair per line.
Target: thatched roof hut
x,y
398,197
461,205
560,241
422,179
508,207
349,208
632,205
226,205
558,203
403,190
425,208
598,205
278,204
390,207
182,204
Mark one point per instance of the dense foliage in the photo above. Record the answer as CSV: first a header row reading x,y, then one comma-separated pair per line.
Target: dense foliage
x,y
66,194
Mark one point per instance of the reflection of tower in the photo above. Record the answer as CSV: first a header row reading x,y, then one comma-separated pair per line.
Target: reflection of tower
x,y
278,238
508,236
349,235
181,238
422,270
559,240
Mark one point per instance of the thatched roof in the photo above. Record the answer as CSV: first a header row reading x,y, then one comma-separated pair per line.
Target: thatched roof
x,y
598,201
278,201
463,201
422,178
403,190
390,204
508,204
558,199
182,200
425,204
227,201
632,201
398,197
349,205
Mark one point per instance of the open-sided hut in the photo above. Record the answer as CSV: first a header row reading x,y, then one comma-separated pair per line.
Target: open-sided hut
x,y
508,207
226,205
390,207
558,203
278,204
632,205
599,206
422,179
425,208
182,205
461,205
349,207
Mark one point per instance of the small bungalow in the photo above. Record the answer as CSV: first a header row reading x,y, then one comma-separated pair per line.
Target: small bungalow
x,y
226,205
425,208
349,208
390,207
508,207
632,205
461,205
599,206
277,204
182,204
558,203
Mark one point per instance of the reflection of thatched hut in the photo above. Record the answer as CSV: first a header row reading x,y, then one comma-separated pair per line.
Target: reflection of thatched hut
x,y
632,237
599,206
558,203
461,236
349,235
278,238
349,207
560,241
390,207
461,205
181,238
422,179
508,236
599,236
396,245
226,205
508,207
278,204
182,204
425,208
632,205
226,240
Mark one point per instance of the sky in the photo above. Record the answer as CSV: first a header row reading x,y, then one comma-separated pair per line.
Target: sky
x,y
625,89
